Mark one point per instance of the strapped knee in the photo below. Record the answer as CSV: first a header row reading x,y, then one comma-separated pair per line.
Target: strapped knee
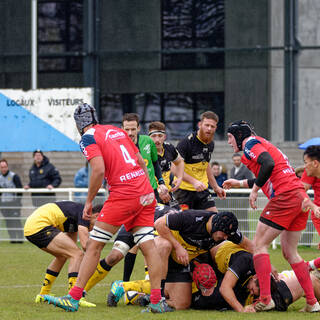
x,y
121,246
100,235
143,234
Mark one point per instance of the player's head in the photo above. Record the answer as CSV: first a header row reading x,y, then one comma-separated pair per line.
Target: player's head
x,y
157,132
204,277
207,126
311,159
239,130
85,115
95,212
130,124
225,222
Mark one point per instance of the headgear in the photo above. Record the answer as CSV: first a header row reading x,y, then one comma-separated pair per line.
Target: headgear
x,y
240,130
84,115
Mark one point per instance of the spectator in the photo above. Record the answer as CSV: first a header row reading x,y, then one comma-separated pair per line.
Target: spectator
x,y
11,202
239,172
218,174
81,180
42,174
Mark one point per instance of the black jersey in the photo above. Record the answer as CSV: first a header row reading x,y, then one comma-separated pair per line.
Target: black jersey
x,y
168,155
196,155
73,212
192,227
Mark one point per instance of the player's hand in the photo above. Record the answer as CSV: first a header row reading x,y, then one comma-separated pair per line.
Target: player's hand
x,y
164,193
249,308
220,192
182,255
199,186
176,184
87,211
253,198
231,183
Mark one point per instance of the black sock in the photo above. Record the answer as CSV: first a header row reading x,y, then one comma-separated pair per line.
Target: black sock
x,y
129,261
104,265
163,283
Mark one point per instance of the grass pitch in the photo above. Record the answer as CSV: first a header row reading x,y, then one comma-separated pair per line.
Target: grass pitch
x,y
22,268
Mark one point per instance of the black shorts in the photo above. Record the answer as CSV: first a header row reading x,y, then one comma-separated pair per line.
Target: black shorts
x,y
42,238
195,200
178,272
125,236
282,296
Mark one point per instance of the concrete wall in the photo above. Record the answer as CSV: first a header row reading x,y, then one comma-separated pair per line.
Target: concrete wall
x,y
246,73
309,70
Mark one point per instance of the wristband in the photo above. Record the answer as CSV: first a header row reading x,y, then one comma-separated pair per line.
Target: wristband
x,y
241,183
160,181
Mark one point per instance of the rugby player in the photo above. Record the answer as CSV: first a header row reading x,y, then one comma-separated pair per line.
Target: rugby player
x,y
112,155
54,228
283,214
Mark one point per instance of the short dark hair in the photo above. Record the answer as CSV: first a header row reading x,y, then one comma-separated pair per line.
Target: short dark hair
x,y
157,125
4,160
131,117
215,163
37,151
313,152
209,115
236,155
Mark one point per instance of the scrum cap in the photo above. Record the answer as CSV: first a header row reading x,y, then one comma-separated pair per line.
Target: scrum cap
x,y
240,130
204,276
85,115
226,222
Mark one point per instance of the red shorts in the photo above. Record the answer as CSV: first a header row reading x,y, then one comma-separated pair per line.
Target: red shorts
x,y
285,210
128,212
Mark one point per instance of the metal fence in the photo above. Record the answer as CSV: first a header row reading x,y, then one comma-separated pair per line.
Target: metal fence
x,y
12,218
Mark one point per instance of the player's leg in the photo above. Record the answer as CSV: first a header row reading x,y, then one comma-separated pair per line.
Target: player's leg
x,y
289,243
264,236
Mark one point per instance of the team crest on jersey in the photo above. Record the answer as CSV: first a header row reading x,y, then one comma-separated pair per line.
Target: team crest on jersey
x,y
147,148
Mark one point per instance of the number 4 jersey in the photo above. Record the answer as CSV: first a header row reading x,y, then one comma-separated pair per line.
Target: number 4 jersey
x,y
126,179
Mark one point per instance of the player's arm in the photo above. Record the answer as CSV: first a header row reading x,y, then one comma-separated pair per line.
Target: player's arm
x,y
266,167
228,283
164,231
247,244
178,172
213,183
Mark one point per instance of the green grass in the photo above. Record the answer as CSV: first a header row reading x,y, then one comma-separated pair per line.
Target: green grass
x,y
22,269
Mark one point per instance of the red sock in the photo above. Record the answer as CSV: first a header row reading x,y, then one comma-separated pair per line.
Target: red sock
x,y
303,276
155,296
262,266
76,293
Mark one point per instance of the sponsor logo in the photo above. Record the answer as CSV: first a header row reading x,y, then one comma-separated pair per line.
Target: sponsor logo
x,y
249,153
147,148
115,135
199,219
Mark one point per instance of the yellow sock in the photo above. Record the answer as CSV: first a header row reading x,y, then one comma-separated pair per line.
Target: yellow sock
x,y
138,285
72,278
49,279
98,275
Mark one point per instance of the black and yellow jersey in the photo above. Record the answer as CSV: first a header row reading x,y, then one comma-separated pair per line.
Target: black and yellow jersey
x,y
169,154
231,257
63,215
196,155
189,227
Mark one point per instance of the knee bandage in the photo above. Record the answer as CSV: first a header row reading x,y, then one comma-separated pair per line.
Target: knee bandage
x,y
144,234
121,246
100,235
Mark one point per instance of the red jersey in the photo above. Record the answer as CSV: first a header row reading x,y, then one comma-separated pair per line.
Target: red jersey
x,y
125,177
315,184
283,177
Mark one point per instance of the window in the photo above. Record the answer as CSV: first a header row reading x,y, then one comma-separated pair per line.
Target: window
x,y
60,31
192,24
179,111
